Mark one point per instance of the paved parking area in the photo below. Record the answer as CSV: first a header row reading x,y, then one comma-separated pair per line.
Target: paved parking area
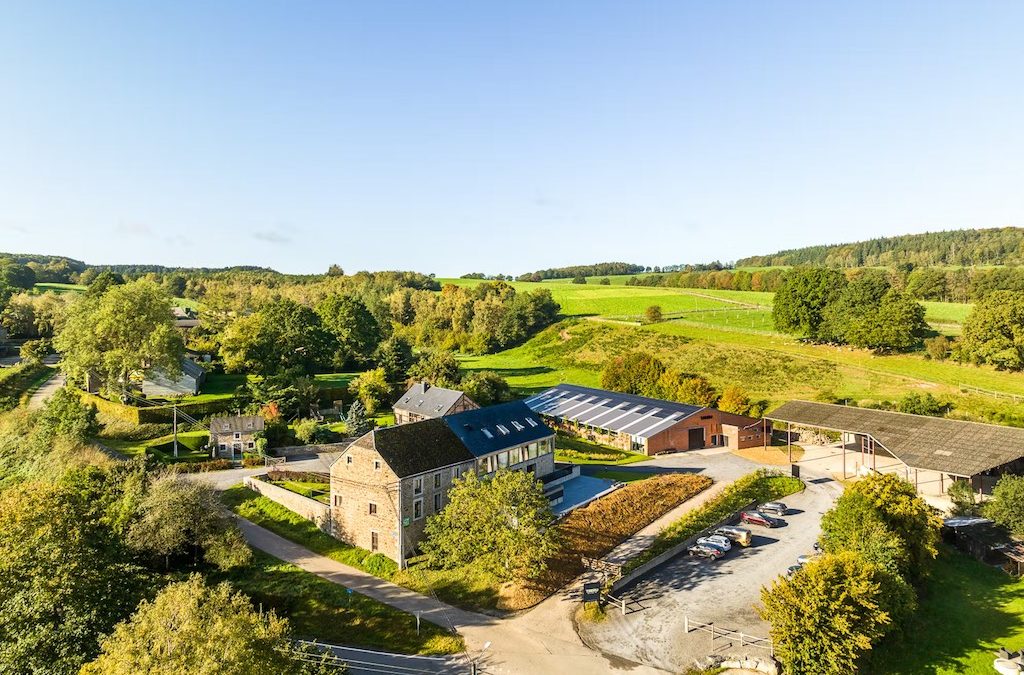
x,y
723,592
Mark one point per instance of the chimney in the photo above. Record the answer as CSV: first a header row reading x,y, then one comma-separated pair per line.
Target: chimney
x,y
426,385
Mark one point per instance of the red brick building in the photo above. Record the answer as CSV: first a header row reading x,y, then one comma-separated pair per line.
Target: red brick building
x,y
641,424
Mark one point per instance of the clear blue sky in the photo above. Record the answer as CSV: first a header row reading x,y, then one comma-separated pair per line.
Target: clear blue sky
x,y
501,136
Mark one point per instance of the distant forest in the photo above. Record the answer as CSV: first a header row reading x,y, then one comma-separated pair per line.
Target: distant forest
x,y
997,246
595,270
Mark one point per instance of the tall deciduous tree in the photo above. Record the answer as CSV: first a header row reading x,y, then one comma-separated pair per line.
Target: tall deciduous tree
x,y
828,615
906,514
1007,504
803,296
196,629
485,387
502,523
372,389
179,516
994,331
438,367
634,373
66,578
282,335
124,332
356,332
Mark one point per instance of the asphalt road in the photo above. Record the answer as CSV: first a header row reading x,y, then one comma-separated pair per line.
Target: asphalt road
x,y
722,592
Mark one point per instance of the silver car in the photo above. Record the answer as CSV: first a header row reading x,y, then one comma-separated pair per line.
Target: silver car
x,y
775,508
716,540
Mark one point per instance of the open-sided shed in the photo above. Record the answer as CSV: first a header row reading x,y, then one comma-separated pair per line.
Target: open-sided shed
x,y
954,449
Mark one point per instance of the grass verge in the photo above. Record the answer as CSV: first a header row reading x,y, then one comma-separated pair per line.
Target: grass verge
x,y
290,525
321,610
581,451
760,486
966,611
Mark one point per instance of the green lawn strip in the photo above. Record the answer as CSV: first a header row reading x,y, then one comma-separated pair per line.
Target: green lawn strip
x,y
966,611
327,612
292,526
317,491
581,451
190,445
468,586
334,380
760,486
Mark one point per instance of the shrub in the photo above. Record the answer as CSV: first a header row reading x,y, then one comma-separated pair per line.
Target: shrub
x,y
938,348
653,314
200,467
379,565
305,431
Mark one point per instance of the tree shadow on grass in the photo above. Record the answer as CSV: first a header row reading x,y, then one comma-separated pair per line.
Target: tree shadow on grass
x,y
962,617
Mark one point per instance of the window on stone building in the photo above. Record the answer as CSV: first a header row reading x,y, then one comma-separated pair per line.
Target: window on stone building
x,y
437,480
337,500
374,541
373,509
417,486
437,502
376,465
417,509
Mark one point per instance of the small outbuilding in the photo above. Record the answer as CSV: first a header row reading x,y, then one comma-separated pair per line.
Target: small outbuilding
x,y
234,435
423,401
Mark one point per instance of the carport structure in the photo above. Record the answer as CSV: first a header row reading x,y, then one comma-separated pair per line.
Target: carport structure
x,y
924,447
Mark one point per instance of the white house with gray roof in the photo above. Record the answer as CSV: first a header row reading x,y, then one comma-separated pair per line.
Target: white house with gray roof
x,y
423,401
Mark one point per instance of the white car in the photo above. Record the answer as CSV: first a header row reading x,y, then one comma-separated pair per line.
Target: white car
x,y
716,540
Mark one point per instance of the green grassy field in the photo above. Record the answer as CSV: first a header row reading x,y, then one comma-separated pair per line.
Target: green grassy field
x,y
580,451
190,445
967,610
321,610
184,303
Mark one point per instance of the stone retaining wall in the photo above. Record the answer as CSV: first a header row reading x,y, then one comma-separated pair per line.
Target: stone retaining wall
x,y
311,509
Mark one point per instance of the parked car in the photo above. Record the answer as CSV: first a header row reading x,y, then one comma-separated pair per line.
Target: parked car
x,y
776,508
806,558
793,569
705,551
716,540
740,535
758,518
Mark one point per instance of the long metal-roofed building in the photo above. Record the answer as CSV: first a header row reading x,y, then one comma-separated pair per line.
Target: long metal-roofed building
x,y
641,424
930,452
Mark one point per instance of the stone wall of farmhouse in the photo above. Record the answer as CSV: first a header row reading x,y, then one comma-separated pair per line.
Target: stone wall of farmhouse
x,y
364,500
311,509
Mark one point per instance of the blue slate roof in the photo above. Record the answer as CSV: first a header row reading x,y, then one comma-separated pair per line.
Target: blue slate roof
x,y
497,427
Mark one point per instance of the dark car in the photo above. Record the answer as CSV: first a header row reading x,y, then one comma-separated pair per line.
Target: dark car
x,y
758,518
776,508
704,551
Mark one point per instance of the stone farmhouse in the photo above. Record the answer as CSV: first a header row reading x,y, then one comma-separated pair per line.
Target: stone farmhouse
x,y
640,424
423,402
234,435
386,484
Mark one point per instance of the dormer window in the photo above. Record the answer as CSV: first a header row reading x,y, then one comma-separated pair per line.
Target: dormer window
x,y
517,425
503,429
531,422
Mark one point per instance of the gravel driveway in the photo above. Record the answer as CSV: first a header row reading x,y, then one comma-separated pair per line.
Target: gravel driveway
x,y
723,592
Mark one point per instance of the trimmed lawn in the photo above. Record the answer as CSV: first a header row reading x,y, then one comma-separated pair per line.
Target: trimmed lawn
x,y
290,525
190,445
581,451
318,491
321,610
967,610
334,380
622,476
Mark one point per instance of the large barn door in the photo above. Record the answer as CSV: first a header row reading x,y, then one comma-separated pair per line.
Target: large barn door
x,y
695,438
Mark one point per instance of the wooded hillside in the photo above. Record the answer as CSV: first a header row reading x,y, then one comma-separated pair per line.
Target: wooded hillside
x,y
997,246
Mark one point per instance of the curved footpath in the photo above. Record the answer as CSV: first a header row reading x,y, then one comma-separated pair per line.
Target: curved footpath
x,y
543,639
